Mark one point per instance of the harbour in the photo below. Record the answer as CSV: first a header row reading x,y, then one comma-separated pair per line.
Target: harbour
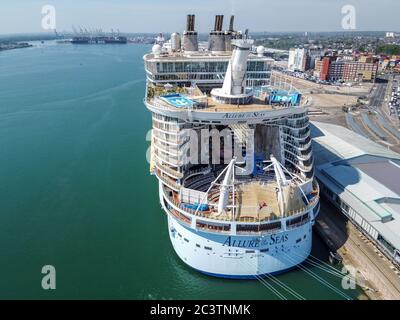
x,y
71,169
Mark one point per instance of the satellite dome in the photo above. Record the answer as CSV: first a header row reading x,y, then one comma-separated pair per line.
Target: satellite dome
x,y
260,50
156,49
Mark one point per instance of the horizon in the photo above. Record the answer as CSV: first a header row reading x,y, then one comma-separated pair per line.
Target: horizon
x,y
137,16
68,32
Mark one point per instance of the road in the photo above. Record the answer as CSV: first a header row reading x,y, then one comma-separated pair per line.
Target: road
x,y
378,93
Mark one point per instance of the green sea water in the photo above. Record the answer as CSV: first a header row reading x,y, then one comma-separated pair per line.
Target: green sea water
x,y
75,189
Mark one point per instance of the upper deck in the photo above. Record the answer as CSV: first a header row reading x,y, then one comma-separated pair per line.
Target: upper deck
x,y
199,55
190,104
205,68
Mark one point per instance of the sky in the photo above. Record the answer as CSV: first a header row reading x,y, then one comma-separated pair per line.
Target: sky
x,y
21,16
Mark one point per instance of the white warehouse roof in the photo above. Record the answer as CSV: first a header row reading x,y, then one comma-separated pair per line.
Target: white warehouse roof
x,y
363,173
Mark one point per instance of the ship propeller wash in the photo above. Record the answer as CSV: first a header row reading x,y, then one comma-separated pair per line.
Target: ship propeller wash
x,y
232,152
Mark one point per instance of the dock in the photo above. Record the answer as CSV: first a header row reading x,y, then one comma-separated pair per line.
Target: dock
x,y
380,278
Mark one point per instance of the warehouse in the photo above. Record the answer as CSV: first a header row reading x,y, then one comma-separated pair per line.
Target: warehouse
x,y
361,178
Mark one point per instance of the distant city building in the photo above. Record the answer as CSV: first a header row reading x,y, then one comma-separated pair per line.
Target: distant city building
x,y
321,70
313,55
336,70
346,68
360,71
298,60
390,35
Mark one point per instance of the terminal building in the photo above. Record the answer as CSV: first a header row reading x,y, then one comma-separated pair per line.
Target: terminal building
x,y
361,178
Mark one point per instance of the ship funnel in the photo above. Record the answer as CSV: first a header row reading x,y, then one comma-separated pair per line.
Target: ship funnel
x,y
234,89
190,40
216,42
230,34
219,21
190,22
232,21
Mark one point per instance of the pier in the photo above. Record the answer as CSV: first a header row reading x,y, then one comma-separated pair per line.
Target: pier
x,y
381,277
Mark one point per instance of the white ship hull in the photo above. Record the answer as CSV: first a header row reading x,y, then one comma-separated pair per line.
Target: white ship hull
x,y
241,257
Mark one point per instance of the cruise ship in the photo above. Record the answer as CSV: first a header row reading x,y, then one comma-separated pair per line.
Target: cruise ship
x,y
232,154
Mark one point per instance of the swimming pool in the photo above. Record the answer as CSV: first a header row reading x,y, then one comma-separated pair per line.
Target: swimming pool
x,y
177,100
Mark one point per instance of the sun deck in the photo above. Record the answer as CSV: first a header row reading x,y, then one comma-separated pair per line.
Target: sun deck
x,y
254,201
209,105
258,201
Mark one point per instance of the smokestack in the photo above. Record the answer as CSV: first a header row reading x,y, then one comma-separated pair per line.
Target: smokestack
x,y
221,22
216,23
231,29
190,41
216,42
190,22
193,22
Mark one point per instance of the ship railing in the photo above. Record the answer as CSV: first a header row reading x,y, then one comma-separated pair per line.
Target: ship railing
x,y
197,171
169,127
255,232
295,162
158,103
181,217
299,126
247,219
304,209
175,160
175,142
218,229
175,133
174,173
175,150
169,182
298,224
298,154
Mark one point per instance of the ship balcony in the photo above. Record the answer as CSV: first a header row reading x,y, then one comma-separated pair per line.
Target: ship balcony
x,y
166,148
169,171
298,154
295,161
168,159
303,117
175,133
174,142
296,128
300,146
170,183
298,137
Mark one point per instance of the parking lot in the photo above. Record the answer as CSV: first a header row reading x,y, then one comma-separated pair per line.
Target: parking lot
x,y
394,103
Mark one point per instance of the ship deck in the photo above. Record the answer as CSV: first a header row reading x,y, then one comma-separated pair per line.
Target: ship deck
x,y
256,105
254,201
258,201
212,106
